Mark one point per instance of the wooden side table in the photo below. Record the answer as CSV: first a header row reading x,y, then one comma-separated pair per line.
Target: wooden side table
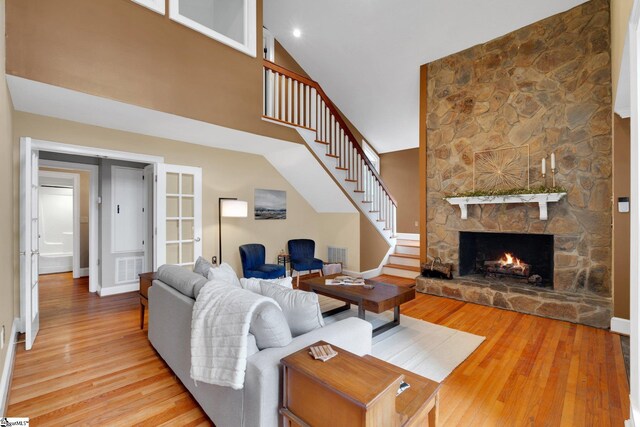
x,y
350,390
146,279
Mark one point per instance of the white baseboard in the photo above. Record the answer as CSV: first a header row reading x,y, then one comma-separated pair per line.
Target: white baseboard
x,y
7,370
83,272
634,417
620,326
120,289
408,236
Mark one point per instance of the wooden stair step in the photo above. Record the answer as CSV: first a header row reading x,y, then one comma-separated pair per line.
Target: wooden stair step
x,y
332,155
409,244
358,191
351,180
404,267
341,168
322,142
406,256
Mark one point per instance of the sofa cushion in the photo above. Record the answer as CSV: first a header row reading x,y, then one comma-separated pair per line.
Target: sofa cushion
x,y
269,327
225,274
202,267
181,279
300,308
253,284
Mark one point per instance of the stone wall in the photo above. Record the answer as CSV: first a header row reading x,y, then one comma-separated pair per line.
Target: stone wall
x,y
548,86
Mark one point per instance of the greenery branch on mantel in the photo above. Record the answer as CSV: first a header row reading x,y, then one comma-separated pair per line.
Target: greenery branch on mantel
x,y
509,192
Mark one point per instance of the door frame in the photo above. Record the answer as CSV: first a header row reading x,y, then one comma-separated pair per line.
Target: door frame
x,y
79,150
75,178
94,277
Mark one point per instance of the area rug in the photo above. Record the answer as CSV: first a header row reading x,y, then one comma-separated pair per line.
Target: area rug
x,y
424,348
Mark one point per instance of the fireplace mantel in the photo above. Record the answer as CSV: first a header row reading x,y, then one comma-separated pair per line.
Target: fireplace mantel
x,y
541,199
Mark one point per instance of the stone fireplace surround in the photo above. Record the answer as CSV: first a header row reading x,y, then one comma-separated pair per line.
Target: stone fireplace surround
x,y
546,86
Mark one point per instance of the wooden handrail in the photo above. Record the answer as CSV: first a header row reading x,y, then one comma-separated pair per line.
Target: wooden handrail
x,y
334,111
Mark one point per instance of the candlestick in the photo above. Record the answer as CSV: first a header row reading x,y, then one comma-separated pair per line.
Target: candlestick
x,y
544,166
553,161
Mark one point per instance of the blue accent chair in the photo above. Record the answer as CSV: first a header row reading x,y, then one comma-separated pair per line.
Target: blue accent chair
x,y
253,265
301,252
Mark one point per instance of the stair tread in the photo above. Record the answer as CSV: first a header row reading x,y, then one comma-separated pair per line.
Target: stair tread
x,y
406,256
409,244
403,267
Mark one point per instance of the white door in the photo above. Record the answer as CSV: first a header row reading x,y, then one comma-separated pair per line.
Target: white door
x,y
178,214
29,249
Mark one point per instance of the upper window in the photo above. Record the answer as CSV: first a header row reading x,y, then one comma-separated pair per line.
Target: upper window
x,y
155,5
371,155
232,22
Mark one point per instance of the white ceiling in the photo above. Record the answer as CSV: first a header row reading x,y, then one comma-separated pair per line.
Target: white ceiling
x,y
305,174
366,54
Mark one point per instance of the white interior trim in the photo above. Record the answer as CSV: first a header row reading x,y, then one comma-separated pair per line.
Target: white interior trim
x,y
155,5
80,150
83,272
94,251
634,298
7,371
620,326
75,178
249,44
119,289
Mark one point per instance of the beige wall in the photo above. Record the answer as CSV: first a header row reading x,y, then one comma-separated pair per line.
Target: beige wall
x,y
621,221
224,174
620,12
120,50
84,211
400,172
8,299
373,247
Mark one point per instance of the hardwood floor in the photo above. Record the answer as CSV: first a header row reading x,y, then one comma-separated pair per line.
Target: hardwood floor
x,y
91,364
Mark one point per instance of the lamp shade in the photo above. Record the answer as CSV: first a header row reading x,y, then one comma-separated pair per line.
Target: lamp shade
x,y
233,209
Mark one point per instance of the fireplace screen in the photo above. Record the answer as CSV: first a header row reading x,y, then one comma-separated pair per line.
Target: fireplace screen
x,y
524,257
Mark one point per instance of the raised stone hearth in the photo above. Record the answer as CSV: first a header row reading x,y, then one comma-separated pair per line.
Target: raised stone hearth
x,y
584,308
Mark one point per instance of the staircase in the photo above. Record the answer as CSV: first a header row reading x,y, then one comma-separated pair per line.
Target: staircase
x,y
405,260
298,102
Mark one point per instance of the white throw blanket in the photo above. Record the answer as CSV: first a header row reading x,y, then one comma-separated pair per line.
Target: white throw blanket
x,y
219,327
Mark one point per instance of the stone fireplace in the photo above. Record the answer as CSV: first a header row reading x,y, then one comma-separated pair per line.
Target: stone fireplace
x,y
543,89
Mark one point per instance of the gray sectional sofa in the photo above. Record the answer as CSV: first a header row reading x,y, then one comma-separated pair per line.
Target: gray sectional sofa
x,y
258,402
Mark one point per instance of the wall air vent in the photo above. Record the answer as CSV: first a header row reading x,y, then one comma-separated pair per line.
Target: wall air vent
x,y
128,269
336,255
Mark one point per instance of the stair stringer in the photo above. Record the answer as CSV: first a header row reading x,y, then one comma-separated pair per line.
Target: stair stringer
x,y
339,176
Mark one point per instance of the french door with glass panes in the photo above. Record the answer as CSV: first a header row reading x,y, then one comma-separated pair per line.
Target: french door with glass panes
x,y
178,219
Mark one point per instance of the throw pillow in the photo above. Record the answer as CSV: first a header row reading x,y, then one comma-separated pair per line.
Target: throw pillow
x,y
224,273
269,327
202,267
253,284
180,279
300,308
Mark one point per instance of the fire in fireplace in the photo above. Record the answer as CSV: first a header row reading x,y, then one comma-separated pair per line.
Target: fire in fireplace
x,y
509,266
524,257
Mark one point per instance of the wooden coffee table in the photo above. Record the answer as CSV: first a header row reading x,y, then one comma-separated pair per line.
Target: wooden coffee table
x,y
381,298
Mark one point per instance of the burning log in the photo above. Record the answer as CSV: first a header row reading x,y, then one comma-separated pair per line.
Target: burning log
x,y
508,266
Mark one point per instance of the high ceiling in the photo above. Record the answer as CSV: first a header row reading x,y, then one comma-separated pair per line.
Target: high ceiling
x,y
366,54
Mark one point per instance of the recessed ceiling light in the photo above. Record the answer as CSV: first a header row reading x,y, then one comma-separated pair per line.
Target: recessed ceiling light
x,y
296,32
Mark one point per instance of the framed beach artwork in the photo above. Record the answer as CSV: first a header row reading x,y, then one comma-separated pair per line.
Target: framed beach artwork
x,y
270,204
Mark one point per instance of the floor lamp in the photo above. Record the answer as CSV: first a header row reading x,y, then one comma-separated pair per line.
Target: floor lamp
x,y
229,208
